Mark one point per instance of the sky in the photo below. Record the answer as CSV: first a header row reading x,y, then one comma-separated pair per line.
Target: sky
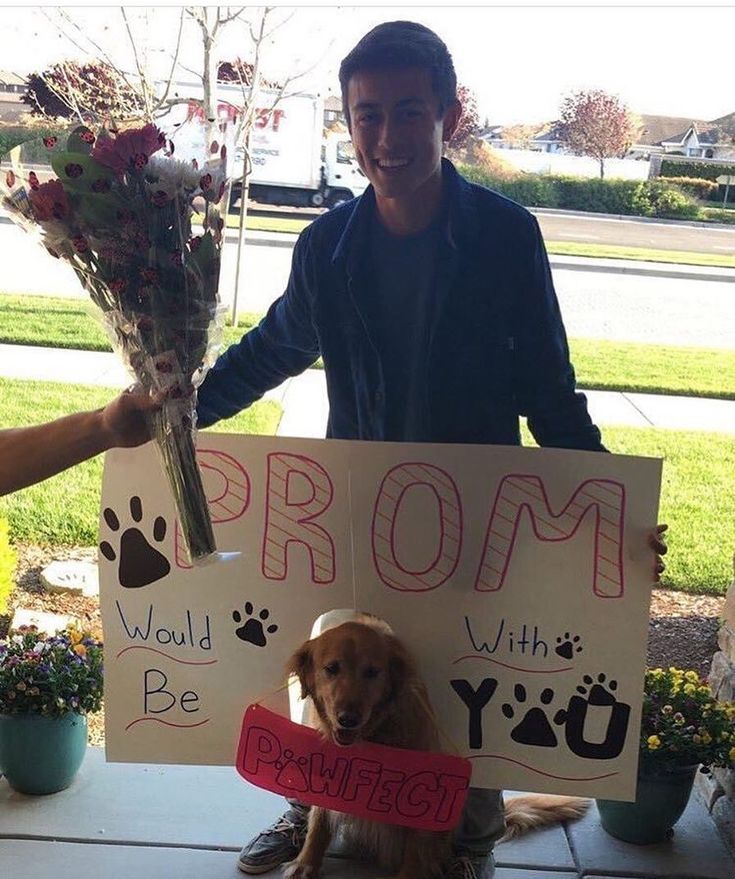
x,y
519,61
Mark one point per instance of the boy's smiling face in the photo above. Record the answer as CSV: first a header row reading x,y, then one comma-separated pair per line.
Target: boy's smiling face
x,y
397,130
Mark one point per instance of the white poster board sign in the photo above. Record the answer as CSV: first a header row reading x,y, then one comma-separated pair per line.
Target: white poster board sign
x,y
520,579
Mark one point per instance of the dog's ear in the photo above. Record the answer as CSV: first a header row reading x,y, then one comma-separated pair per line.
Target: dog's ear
x,y
401,668
301,664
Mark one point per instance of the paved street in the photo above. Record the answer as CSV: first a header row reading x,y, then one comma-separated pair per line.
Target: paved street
x,y
632,233
595,304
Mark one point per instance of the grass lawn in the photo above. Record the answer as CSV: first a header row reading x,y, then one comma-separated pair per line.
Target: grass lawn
x,y
614,251
697,501
654,369
69,323
53,322
65,508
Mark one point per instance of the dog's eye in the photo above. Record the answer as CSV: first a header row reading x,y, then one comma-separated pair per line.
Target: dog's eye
x,y
371,672
332,669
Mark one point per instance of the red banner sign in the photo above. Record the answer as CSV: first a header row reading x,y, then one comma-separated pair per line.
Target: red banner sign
x,y
419,789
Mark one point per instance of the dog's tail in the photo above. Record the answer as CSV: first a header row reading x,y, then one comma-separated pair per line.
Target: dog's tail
x,y
537,810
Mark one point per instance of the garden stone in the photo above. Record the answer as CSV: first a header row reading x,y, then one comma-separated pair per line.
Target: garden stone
x,y
51,623
73,576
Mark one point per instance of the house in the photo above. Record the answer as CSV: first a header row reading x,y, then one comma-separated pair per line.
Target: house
x,y
12,89
682,136
549,140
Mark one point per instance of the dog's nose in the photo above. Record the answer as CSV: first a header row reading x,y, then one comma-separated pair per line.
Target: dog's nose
x,y
348,719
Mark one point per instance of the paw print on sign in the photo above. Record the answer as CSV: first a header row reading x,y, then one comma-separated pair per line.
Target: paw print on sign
x,y
568,645
140,562
252,630
534,728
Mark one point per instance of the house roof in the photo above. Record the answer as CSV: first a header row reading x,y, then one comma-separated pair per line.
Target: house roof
x,y
549,133
333,102
657,130
8,78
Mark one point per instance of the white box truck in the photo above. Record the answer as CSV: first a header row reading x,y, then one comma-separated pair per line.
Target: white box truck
x,y
293,161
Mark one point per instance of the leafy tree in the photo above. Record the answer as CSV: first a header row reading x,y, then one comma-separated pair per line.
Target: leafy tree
x,y
469,123
595,123
94,90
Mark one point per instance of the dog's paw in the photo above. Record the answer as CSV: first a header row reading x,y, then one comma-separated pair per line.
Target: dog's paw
x,y
295,870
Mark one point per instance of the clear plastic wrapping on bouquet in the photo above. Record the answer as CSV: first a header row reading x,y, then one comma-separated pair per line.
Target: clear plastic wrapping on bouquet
x,y
143,231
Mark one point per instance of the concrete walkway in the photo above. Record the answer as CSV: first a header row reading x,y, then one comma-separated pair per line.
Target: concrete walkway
x,y
304,398
188,822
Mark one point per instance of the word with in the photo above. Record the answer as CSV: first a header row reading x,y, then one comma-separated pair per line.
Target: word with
x,y
180,637
596,706
511,642
393,785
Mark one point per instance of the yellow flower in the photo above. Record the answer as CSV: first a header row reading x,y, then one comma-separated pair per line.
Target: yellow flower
x,y
654,742
80,649
731,755
690,689
692,676
697,739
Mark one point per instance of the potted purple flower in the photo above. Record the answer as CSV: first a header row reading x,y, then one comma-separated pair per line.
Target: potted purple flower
x,y
48,684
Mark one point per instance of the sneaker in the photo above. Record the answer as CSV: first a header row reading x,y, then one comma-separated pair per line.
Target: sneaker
x,y
471,867
276,845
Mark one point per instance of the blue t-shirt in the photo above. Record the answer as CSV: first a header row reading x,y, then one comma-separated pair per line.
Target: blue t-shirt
x,y
402,306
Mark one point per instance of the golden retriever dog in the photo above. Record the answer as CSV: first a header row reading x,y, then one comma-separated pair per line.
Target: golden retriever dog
x,y
363,685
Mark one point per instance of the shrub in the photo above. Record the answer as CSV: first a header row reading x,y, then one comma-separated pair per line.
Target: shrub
x,y
8,559
664,200
697,187
703,170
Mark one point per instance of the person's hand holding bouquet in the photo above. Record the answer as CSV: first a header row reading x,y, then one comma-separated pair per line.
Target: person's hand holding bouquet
x,y
118,207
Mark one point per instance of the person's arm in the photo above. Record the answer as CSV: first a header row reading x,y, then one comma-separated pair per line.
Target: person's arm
x,y
32,454
282,345
545,384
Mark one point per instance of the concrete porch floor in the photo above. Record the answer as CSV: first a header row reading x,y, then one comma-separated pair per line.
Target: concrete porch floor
x,y
135,821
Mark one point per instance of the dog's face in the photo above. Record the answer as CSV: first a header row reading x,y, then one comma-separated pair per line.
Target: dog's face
x,y
353,674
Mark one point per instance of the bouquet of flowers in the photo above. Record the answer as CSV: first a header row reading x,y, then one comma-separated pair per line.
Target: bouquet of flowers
x,y
50,675
683,724
118,207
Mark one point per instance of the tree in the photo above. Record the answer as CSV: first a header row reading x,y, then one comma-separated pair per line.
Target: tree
x,y
595,123
90,91
469,121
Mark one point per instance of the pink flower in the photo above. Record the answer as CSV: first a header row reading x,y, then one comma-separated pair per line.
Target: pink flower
x,y
49,201
134,146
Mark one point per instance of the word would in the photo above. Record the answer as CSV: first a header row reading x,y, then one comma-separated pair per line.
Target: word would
x,y
417,789
187,636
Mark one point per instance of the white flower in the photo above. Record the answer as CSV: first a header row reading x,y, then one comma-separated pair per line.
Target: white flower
x,y
172,174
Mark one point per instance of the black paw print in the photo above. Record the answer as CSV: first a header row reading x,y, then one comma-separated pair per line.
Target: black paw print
x,y
140,562
252,630
534,728
568,645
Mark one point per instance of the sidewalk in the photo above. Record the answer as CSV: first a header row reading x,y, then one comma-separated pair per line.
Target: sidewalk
x,y
122,820
304,398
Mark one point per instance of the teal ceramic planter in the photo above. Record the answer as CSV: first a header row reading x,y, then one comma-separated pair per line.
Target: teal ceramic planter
x,y
41,755
660,801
